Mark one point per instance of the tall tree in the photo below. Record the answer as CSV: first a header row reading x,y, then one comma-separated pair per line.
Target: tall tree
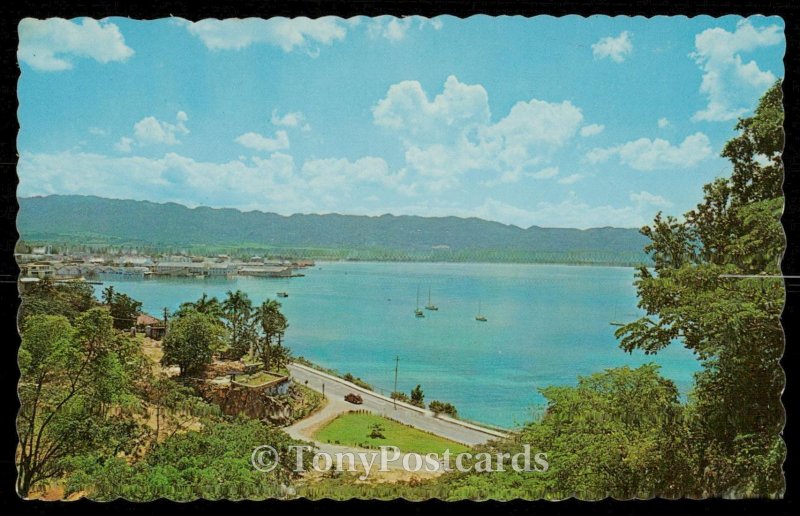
x,y
70,377
273,326
700,293
108,295
238,310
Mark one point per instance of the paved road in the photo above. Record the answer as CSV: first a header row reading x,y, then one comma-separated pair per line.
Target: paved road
x,y
336,388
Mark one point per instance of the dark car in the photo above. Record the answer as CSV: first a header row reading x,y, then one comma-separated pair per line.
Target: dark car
x,y
353,398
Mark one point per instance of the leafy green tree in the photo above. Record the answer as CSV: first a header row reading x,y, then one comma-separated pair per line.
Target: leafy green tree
x,y
205,305
417,397
108,295
213,463
48,298
273,327
71,376
617,433
699,293
124,310
191,342
240,321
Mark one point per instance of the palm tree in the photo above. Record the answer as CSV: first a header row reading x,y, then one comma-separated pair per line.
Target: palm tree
x,y
273,325
238,311
205,305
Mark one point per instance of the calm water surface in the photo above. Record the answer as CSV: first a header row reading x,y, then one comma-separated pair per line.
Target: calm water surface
x,y
547,324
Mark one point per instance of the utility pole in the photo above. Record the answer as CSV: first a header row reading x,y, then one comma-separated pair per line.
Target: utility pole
x,y
165,317
394,395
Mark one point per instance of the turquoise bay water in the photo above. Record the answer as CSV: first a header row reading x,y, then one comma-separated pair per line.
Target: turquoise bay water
x,y
547,324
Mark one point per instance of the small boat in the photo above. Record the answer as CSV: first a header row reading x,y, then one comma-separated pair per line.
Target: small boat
x,y
480,317
430,306
417,312
283,294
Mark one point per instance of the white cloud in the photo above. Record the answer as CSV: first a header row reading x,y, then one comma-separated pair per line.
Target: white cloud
x,y
647,199
151,131
570,179
646,154
292,119
663,122
287,34
730,84
49,45
332,173
453,133
272,183
592,129
395,29
124,144
258,142
546,173
97,131
614,48
572,212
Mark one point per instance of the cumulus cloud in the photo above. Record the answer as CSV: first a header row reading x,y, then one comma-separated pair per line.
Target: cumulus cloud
x,y
570,212
730,84
614,48
292,119
124,144
453,133
50,45
152,131
646,154
258,142
287,34
395,29
663,122
592,129
272,183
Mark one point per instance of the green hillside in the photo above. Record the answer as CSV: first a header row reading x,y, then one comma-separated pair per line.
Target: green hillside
x,y
80,219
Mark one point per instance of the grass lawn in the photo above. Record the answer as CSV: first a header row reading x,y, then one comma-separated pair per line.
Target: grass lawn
x,y
353,429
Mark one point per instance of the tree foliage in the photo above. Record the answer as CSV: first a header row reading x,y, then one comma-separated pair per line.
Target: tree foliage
x,y
699,293
75,392
191,342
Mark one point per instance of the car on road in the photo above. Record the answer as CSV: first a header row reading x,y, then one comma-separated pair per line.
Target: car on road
x,y
353,398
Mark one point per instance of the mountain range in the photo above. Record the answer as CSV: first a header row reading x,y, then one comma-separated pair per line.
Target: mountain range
x,y
76,219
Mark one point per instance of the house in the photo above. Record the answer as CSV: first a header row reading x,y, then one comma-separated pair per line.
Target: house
x,y
39,270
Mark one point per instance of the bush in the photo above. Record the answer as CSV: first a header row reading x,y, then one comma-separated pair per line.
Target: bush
x,y
441,407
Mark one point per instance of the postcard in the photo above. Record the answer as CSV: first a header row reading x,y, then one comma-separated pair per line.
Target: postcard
x,y
389,257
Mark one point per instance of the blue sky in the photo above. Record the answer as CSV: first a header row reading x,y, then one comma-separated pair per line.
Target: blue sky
x,y
558,122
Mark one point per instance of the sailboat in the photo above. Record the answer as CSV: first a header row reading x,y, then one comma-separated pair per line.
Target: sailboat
x,y
480,317
417,311
430,306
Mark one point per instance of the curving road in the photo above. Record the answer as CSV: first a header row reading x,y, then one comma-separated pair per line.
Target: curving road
x,y
335,389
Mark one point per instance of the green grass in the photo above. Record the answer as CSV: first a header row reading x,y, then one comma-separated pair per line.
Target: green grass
x,y
353,429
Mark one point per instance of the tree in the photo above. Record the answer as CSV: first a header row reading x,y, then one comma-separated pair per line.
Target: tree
x,y
238,310
124,310
699,293
205,305
48,298
70,377
191,341
108,295
417,397
273,326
